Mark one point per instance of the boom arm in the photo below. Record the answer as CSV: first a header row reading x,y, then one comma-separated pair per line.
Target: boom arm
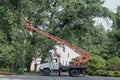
x,y
61,41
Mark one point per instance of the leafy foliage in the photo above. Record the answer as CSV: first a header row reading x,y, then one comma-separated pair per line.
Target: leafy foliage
x,y
97,62
114,61
14,39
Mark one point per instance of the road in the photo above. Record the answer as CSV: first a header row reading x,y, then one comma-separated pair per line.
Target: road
x,y
34,77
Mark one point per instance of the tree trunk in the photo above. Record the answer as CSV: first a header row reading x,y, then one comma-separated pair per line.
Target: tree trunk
x,y
13,67
28,68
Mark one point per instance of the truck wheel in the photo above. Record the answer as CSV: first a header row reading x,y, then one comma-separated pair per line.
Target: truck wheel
x,y
46,72
74,73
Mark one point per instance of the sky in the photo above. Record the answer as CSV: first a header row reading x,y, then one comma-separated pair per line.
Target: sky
x,y
112,5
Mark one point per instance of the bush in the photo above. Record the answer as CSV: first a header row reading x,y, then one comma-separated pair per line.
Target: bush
x,y
4,69
90,72
114,73
101,73
19,72
97,67
115,61
97,63
97,72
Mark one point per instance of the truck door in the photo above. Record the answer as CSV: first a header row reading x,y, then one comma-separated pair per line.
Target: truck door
x,y
55,64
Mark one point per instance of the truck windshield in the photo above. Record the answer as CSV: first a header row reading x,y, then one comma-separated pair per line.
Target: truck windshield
x,y
54,60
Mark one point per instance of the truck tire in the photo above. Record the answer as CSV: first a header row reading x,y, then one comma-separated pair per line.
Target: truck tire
x,y
74,73
46,72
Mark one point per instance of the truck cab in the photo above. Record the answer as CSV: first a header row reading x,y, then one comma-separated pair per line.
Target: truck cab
x,y
51,65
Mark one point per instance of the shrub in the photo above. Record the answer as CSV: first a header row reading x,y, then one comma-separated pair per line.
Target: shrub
x,y
97,72
97,63
90,72
104,73
101,73
115,61
114,73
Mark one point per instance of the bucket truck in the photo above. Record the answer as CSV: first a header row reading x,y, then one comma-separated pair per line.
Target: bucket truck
x,y
53,65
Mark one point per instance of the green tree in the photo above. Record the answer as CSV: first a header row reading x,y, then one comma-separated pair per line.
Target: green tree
x,y
114,36
13,35
73,21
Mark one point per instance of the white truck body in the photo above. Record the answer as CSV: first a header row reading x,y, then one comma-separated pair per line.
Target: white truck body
x,y
53,65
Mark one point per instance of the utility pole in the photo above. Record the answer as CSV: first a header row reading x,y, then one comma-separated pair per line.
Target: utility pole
x,y
23,56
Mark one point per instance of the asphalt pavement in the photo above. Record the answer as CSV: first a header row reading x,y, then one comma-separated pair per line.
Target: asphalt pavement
x,y
54,77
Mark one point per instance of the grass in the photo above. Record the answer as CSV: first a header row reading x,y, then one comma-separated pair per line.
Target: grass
x,y
7,73
19,72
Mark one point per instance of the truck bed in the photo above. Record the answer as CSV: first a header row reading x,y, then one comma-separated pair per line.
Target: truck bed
x,y
67,68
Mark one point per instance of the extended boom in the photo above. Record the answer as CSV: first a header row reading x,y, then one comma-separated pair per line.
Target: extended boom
x,y
61,41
